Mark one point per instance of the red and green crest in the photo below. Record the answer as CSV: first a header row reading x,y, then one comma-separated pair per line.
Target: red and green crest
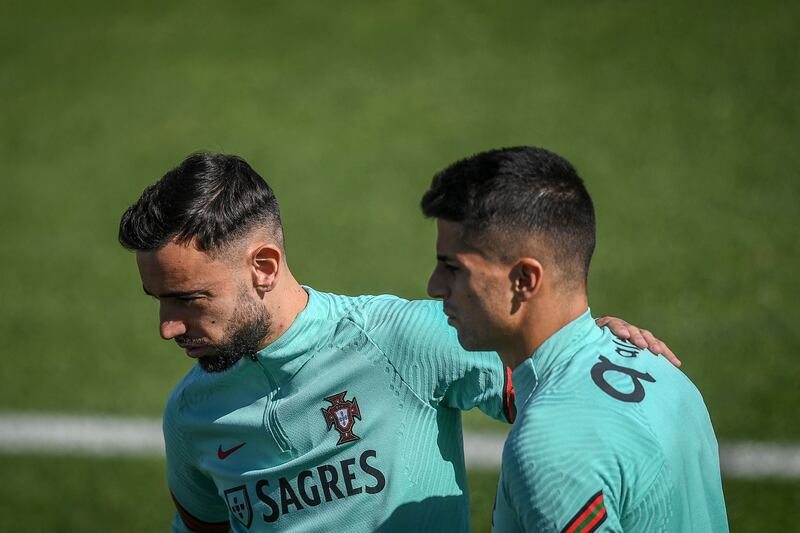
x,y
342,415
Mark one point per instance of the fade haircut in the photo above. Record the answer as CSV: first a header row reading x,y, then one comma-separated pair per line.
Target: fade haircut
x,y
503,197
212,200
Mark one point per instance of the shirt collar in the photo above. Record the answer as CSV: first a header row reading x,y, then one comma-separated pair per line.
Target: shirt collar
x,y
283,357
557,349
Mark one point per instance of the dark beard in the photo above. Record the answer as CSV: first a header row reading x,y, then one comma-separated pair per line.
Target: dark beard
x,y
248,328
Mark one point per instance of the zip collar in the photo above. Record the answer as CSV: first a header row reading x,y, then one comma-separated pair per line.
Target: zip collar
x,y
558,349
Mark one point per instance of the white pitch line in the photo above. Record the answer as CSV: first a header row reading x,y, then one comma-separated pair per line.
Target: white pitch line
x,y
76,434
740,460
483,449
756,460
117,436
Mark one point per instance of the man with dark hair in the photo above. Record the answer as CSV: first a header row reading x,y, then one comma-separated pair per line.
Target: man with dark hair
x,y
307,411
607,436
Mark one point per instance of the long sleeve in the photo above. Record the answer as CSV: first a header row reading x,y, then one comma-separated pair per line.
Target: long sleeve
x,y
199,507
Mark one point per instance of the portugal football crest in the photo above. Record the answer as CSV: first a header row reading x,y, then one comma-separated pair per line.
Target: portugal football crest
x,y
341,415
239,505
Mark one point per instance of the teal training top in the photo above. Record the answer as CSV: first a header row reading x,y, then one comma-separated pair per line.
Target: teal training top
x,y
608,437
350,421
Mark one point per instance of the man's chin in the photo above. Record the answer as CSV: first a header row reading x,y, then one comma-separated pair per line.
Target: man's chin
x,y
217,362
470,344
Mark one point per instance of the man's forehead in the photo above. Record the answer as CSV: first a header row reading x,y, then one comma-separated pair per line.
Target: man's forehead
x,y
176,265
174,255
449,233
450,239
455,242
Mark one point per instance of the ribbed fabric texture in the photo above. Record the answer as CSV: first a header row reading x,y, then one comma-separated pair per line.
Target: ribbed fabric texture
x,y
585,427
350,421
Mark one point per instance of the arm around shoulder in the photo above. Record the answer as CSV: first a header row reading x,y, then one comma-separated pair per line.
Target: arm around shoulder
x,y
425,350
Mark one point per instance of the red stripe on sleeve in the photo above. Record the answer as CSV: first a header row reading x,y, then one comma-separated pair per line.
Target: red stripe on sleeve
x,y
509,404
596,521
584,513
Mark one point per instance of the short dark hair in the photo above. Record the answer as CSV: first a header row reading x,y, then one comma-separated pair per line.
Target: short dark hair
x,y
500,195
211,199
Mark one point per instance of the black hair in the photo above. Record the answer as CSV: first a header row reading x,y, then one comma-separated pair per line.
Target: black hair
x,y
501,196
211,199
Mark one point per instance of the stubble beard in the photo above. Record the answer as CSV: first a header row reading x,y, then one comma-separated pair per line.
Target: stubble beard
x,y
469,343
474,339
248,327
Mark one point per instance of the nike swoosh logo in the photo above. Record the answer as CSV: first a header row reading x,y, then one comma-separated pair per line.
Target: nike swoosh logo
x,y
223,454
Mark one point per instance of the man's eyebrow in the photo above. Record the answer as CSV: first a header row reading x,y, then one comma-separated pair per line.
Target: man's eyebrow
x,y
445,258
176,294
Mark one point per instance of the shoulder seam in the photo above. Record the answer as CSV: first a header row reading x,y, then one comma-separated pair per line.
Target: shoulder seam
x,y
389,360
372,299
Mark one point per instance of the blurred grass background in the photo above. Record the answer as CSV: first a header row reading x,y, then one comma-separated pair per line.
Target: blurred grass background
x,y
682,118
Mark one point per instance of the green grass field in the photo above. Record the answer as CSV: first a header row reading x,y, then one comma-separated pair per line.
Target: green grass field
x,y
681,118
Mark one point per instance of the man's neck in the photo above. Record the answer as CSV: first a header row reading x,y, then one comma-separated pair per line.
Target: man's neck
x,y
542,320
290,299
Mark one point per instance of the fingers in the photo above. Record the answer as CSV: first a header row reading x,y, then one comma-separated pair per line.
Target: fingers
x,y
603,321
619,327
653,344
641,338
638,336
671,357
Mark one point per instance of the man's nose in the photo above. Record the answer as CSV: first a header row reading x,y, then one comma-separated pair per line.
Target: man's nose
x,y
436,288
170,329
170,326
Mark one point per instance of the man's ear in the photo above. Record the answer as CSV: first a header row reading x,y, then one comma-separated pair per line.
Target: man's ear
x,y
265,264
527,278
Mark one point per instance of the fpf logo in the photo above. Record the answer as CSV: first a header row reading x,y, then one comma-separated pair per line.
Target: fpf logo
x,y
342,415
239,504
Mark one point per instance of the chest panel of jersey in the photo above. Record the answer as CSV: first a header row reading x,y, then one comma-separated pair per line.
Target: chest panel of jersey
x,y
344,436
